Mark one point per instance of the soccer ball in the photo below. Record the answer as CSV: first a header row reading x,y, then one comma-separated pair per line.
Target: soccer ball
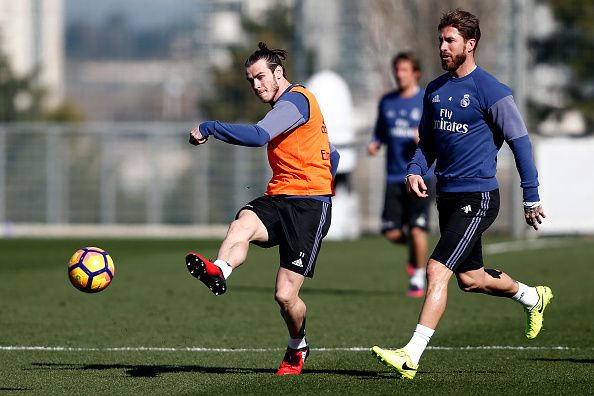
x,y
90,269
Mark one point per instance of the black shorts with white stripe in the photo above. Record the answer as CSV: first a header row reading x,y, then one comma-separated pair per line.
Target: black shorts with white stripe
x,y
296,225
463,217
403,209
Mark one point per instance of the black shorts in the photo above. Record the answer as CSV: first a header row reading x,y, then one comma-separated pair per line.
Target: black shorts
x,y
463,217
296,225
402,208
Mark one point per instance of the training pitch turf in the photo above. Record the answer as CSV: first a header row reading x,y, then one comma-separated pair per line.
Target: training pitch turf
x,y
157,330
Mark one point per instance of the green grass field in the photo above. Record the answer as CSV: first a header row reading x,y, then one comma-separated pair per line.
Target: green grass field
x,y
157,330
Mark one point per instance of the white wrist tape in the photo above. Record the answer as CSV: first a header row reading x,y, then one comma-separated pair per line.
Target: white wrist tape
x,y
532,205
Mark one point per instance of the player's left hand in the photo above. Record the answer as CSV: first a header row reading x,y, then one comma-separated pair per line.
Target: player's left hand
x,y
196,137
534,214
416,185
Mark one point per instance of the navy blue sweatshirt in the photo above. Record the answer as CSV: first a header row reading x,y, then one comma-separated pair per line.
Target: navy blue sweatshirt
x,y
396,127
465,121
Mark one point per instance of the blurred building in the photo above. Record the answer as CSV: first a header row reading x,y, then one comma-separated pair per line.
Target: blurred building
x,y
133,90
343,48
168,87
31,36
157,89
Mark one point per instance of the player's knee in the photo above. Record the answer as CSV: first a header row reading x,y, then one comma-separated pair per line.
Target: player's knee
x,y
437,273
470,287
240,229
417,232
284,298
396,236
469,284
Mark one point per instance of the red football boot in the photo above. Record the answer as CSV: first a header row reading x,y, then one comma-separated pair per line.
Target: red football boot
x,y
208,273
415,291
410,269
293,361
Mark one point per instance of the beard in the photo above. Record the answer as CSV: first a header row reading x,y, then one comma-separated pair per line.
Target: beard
x,y
272,91
455,62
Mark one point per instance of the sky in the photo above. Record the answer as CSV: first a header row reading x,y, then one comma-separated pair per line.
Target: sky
x,y
140,13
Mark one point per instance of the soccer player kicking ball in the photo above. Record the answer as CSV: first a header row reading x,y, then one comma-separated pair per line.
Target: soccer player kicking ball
x,y
295,211
467,115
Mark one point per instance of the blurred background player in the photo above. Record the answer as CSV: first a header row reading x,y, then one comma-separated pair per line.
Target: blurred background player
x,y
467,114
295,211
405,218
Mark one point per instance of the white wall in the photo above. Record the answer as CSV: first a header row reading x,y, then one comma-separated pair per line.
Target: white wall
x,y
566,175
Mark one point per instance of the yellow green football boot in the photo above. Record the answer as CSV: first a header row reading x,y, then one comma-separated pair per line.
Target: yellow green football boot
x,y
535,315
398,360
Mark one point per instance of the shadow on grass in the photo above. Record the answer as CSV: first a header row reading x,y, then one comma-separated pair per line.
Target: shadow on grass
x,y
155,370
308,291
14,389
568,360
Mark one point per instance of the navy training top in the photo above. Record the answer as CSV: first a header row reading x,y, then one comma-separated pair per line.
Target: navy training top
x,y
396,127
465,121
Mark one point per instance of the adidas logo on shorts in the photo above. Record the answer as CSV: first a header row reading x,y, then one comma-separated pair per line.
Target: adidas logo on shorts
x,y
466,209
298,263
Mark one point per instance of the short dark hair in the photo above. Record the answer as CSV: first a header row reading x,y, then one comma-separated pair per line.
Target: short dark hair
x,y
466,23
273,57
407,56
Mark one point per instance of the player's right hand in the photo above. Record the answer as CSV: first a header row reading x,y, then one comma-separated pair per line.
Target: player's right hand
x,y
416,185
373,148
196,137
534,214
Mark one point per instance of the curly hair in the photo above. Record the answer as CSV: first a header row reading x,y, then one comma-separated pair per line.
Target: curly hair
x,y
466,23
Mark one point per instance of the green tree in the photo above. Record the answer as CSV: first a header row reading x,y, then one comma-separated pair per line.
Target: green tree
x,y
19,98
572,45
68,111
232,99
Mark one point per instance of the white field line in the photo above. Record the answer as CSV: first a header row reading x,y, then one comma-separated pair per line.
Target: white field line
x,y
201,349
536,244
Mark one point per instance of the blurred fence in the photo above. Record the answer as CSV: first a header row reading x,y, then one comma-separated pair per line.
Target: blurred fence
x,y
123,179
